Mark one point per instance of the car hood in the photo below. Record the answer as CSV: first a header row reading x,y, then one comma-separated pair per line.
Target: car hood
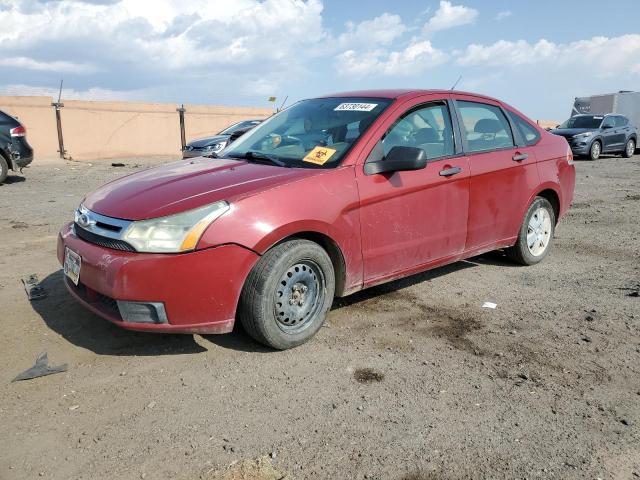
x,y
570,132
206,141
184,185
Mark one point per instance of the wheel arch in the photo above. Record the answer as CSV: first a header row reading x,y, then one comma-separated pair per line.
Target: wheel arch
x,y
554,199
333,250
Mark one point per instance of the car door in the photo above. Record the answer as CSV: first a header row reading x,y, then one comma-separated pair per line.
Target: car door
x,y
608,132
410,219
503,173
621,131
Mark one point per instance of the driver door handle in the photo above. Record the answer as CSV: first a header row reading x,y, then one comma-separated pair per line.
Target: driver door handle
x,y
448,172
518,157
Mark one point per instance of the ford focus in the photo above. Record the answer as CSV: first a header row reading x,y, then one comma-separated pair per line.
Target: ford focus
x,y
330,196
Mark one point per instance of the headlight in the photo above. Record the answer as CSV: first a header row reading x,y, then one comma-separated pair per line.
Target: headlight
x,y
215,148
175,233
583,135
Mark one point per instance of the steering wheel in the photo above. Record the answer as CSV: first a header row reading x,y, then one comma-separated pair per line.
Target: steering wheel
x,y
291,140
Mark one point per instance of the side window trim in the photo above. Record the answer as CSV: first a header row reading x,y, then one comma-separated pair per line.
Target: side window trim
x,y
515,135
513,119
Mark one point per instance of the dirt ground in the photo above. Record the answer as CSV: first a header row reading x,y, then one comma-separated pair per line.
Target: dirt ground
x,y
409,380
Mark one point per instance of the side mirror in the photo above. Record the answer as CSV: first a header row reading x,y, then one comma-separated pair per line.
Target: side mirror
x,y
606,127
398,159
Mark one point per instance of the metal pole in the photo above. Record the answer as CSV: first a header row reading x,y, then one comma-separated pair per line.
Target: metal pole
x,y
183,139
61,150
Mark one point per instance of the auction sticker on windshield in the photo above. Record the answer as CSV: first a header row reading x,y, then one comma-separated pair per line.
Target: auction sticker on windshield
x,y
72,264
355,107
319,155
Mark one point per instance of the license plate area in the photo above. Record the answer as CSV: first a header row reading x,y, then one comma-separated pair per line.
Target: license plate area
x,y
72,265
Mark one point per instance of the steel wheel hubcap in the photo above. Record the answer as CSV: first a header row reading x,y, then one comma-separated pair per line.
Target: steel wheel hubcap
x,y
298,297
539,232
596,149
630,147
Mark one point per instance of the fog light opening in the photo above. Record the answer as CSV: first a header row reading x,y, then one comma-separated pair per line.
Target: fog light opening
x,y
142,312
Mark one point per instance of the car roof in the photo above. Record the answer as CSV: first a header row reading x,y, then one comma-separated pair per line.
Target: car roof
x,y
403,93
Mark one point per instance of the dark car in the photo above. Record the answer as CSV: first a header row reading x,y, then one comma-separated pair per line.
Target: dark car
x,y
209,145
591,135
15,152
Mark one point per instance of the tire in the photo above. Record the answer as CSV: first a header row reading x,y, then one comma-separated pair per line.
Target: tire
x,y
595,150
539,212
4,168
629,148
300,274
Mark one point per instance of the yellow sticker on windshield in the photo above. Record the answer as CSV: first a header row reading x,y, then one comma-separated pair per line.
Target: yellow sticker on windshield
x,y
319,155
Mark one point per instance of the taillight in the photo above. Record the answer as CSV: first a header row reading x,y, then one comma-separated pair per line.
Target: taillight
x,y
18,131
569,156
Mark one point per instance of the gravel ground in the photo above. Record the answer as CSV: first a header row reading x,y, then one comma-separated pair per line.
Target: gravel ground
x,y
409,380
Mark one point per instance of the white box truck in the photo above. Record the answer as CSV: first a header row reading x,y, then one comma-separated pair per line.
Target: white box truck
x,y
624,102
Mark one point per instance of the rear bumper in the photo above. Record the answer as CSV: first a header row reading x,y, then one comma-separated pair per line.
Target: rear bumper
x,y
200,290
191,153
20,152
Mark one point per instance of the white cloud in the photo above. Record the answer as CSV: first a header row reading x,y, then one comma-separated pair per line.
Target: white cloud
x,y
153,41
504,14
449,16
382,30
47,66
415,58
602,56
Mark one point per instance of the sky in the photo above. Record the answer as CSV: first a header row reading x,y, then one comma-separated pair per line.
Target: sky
x,y
534,54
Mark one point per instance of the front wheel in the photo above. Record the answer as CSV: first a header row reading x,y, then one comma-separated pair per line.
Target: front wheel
x,y
595,150
536,233
629,148
287,294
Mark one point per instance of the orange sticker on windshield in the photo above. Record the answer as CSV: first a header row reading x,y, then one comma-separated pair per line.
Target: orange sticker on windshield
x,y
319,155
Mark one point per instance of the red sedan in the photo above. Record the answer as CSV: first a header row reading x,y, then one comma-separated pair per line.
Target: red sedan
x,y
330,196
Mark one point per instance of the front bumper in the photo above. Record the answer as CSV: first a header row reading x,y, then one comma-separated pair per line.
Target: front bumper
x,y
200,290
580,147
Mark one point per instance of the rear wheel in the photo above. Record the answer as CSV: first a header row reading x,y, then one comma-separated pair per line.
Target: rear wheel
x,y
536,233
4,168
286,296
595,150
629,148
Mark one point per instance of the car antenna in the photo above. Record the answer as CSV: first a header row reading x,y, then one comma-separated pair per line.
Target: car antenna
x,y
455,84
285,101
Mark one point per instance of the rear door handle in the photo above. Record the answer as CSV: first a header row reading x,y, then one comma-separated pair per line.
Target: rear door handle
x,y
518,157
447,172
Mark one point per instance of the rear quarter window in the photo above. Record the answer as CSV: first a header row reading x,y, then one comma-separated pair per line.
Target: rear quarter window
x,y
528,132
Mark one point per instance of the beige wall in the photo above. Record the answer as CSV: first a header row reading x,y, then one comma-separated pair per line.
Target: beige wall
x,y
95,130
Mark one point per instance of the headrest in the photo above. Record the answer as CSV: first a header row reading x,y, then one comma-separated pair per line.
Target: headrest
x,y
426,135
488,125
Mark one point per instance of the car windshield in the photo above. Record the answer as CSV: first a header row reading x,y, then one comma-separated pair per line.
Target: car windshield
x,y
239,126
583,121
314,133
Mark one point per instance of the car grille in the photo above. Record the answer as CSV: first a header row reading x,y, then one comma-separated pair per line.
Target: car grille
x,y
102,241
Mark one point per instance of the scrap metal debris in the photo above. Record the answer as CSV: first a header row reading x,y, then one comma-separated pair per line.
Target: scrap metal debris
x,y
489,305
40,369
34,290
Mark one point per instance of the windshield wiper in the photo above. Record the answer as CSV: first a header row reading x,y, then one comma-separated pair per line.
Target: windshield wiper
x,y
252,155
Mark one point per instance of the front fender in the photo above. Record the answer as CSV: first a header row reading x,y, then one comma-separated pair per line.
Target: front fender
x,y
326,204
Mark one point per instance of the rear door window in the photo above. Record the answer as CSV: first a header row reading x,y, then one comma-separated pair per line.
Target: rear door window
x,y
484,126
